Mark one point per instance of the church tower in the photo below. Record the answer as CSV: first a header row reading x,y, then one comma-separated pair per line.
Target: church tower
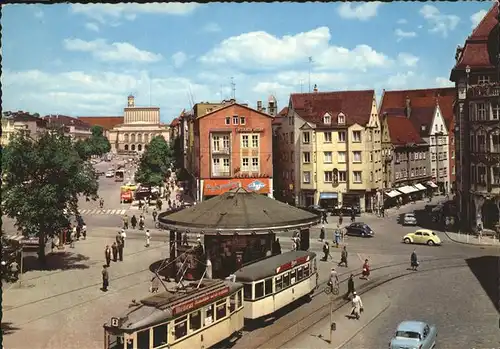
x,y
272,107
131,101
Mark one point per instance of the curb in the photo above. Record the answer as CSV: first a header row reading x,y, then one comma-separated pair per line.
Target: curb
x,y
468,243
355,333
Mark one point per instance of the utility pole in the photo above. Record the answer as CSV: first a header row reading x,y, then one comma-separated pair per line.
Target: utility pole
x,y
150,103
233,89
310,64
301,82
221,98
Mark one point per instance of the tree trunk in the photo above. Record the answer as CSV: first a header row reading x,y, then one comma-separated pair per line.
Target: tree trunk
x,y
41,249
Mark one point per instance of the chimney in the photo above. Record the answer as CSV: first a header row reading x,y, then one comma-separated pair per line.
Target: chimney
x,y
408,107
259,105
263,110
315,88
131,101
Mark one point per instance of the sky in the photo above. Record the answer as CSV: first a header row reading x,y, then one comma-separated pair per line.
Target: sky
x,y
84,60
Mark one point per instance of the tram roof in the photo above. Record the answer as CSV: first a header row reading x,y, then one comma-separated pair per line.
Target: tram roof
x,y
162,307
273,265
238,210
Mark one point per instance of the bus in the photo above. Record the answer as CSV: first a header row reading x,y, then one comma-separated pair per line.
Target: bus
x,y
119,175
198,316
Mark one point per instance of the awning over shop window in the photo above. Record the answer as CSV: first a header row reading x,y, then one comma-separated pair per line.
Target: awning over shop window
x,y
432,184
407,189
393,193
328,196
420,186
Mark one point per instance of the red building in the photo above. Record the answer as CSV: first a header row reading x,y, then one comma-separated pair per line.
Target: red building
x,y
233,148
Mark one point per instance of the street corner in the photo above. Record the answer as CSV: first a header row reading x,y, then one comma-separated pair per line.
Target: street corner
x,y
472,239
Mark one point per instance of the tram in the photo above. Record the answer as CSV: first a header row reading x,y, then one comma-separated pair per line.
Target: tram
x,y
196,317
275,282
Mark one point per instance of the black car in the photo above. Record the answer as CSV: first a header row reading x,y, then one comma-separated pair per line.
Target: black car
x,y
360,229
345,210
316,209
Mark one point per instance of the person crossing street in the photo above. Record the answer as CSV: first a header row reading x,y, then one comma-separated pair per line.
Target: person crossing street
x,y
154,214
343,257
107,255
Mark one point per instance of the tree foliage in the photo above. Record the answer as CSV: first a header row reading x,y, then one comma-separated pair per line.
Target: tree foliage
x,y
96,144
178,153
155,162
42,181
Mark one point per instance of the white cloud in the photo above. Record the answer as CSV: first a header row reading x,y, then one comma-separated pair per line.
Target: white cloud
x,y
402,21
401,34
477,17
269,87
360,12
117,51
92,26
439,23
399,80
38,13
212,27
106,12
263,50
407,59
179,58
444,82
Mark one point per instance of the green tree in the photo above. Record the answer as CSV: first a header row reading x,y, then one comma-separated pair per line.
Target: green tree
x,y
155,162
177,151
42,182
96,144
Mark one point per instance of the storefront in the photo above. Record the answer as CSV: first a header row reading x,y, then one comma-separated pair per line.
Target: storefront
x,y
353,199
307,197
216,187
408,191
328,200
391,198
420,193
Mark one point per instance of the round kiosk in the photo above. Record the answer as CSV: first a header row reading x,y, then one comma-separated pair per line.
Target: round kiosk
x,y
216,237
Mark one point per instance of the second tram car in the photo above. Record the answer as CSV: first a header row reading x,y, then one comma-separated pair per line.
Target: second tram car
x,y
275,282
194,318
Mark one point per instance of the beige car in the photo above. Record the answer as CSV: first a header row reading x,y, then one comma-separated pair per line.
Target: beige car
x,y
422,236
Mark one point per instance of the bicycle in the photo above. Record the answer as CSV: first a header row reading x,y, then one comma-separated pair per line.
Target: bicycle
x,y
331,289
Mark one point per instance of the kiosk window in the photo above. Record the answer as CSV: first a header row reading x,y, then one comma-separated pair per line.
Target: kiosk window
x,y
247,290
279,283
160,335
259,289
286,280
195,320
300,273
209,314
143,339
293,276
221,309
180,327
232,303
269,286
240,299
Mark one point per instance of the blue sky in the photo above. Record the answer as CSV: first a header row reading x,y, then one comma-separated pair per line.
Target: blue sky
x,y
84,60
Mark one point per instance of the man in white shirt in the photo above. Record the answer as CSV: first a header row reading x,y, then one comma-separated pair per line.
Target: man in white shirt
x,y
357,306
334,279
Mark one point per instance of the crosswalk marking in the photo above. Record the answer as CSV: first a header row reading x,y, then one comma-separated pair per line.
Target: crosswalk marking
x,y
98,211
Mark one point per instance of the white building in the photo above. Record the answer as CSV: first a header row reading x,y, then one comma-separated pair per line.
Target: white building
x,y
439,150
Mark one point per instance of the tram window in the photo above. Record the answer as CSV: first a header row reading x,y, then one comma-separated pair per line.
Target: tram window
x,y
278,280
209,314
115,342
247,291
300,273
268,286
240,299
143,339
259,289
306,270
180,329
286,280
293,276
195,320
221,309
232,303
160,335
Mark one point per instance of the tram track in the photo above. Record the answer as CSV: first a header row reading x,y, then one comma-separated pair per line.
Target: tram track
x,y
284,329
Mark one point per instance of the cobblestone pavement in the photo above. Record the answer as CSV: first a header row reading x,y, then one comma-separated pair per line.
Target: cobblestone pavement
x,y
453,300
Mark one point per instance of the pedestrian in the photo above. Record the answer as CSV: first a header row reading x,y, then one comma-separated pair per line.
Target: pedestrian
x,y
123,235
78,231
325,218
154,214
141,222
340,220
125,222
155,284
84,231
148,238
185,239
101,203
414,260
107,255
366,270
105,278
170,203
382,211
322,233
350,287
326,251
337,238
133,221
343,257
114,250
120,252
357,306
353,215
140,204
72,238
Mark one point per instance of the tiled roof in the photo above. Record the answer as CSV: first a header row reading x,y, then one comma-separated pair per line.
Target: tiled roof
x,y
488,22
277,120
66,120
106,122
402,131
356,105
283,112
174,122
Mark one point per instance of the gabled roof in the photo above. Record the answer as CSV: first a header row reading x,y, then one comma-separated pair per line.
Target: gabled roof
x,y
283,112
355,105
175,122
402,131
66,120
106,122
232,105
278,120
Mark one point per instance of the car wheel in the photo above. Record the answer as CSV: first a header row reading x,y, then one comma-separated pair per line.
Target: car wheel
x,y
430,243
363,235
407,241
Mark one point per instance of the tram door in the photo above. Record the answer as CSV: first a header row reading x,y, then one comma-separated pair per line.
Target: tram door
x,y
304,240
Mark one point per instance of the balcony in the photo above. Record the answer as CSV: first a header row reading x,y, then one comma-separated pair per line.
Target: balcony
x,y
221,151
484,90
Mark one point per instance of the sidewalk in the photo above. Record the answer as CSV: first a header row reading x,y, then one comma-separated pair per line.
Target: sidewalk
x,y
375,302
472,239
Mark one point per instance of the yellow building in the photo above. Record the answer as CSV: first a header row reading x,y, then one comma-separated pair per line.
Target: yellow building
x,y
8,129
335,147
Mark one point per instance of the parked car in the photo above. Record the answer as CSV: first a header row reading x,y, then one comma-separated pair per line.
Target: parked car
x,y
422,236
316,209
409,219
414,334
110,174
345,210
359,229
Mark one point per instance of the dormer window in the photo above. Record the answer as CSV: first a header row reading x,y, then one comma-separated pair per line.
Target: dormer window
x,y
327,119
341,119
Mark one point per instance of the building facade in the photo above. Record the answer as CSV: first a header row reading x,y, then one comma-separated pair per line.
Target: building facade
x,y
140,125
106,122
232,148
76,128
8,129
477,79
332,149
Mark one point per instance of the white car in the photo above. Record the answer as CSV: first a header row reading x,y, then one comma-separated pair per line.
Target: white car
x,y
410,219
110,174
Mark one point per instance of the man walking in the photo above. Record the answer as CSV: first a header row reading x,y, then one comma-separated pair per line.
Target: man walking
x,y
125,222
107,255
322,233
105,278
326,251
123,236
343,257
114,249
337,238
357,306
148,238
350,287
154,214
324,217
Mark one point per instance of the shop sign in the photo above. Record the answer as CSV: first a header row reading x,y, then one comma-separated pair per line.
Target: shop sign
x,y
217,187
201,300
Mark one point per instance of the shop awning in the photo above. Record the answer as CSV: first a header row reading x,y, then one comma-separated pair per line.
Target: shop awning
x,y
432,184
328,196
407,189
420,186
393,193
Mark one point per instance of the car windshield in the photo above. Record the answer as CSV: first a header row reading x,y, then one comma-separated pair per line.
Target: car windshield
x,y
408,334
410,215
